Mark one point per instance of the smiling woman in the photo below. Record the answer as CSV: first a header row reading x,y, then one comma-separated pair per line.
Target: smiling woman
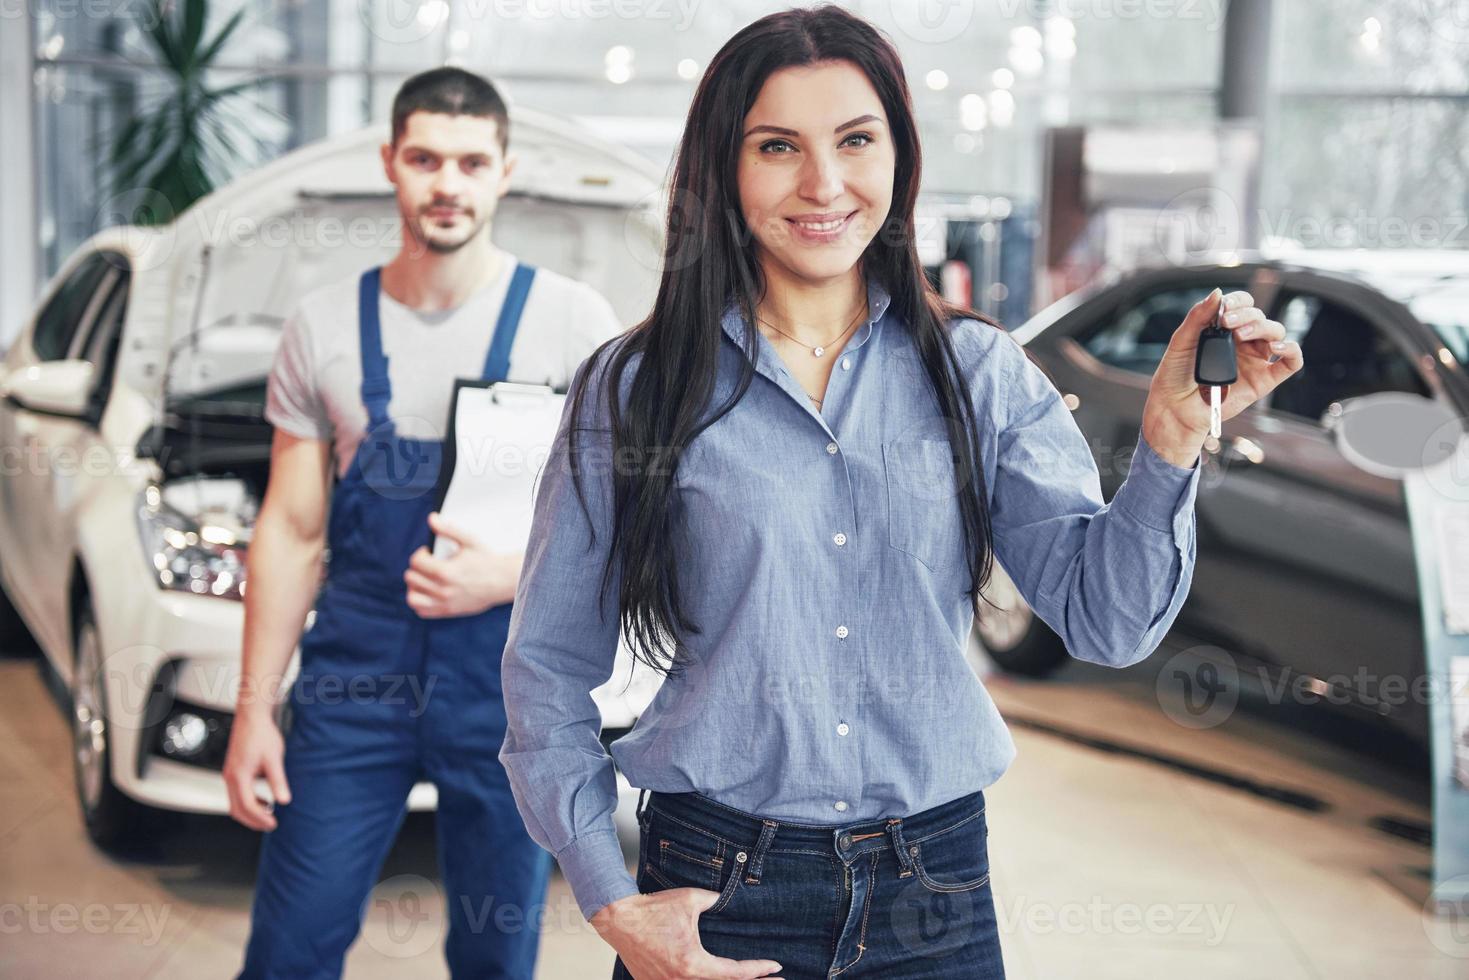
x,y
851,455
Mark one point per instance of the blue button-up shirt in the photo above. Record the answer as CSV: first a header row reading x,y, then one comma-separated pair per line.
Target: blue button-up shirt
x,y
821,553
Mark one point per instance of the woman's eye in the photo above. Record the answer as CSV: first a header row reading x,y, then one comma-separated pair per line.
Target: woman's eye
x,y
770,145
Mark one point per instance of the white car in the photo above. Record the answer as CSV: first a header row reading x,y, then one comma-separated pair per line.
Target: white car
x,y
135,454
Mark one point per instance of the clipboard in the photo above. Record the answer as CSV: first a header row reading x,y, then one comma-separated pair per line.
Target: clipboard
x,y
498,439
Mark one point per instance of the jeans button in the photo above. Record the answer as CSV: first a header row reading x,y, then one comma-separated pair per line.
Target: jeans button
x,y
846,840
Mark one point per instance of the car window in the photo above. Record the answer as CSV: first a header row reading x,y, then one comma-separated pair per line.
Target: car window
x,y
1346,355
1135,338
63,314
101,337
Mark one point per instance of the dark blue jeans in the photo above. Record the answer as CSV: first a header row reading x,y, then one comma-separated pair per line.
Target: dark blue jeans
x,y
899,898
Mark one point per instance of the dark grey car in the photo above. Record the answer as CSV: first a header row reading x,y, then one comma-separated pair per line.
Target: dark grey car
x,y
1305,563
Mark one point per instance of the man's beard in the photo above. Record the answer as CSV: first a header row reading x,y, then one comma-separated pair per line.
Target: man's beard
x,y
443,247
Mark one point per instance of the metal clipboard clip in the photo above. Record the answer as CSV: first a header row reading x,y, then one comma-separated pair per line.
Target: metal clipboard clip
x,y
509,392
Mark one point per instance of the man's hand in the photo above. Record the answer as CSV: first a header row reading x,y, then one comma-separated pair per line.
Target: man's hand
x,y
657,936
470,581
256,749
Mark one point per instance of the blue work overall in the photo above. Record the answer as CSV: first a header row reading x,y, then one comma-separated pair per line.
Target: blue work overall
x,y
384,699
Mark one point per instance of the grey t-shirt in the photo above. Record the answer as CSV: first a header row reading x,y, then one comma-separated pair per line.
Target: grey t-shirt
x,y
314,389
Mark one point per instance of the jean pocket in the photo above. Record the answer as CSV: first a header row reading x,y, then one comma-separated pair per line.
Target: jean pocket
x,y
923,501
676,855
955,859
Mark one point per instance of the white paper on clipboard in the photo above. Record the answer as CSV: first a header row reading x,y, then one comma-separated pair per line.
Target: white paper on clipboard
x,y
502,435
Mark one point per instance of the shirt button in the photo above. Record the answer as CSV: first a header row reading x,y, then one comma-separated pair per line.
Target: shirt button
x,y
840,804
839,538
842,729
842,632
831,449
846,363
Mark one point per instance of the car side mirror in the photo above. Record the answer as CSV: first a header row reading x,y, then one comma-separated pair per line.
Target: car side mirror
x,y
57,387
1389,433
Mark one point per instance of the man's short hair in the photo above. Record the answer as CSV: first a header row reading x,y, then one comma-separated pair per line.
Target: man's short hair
x,y
454,92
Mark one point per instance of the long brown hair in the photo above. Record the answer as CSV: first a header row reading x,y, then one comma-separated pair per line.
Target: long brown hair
x,y
709,262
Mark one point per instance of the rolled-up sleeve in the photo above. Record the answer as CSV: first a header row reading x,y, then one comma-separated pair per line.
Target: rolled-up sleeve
x,y
562,645
1109,579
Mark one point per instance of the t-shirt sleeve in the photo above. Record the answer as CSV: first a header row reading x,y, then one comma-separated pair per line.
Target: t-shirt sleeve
x,y
292,396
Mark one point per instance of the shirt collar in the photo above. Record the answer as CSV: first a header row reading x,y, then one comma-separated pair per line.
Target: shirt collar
x,y
736,326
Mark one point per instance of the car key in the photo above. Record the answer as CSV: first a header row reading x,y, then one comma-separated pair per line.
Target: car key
x,y
1215,365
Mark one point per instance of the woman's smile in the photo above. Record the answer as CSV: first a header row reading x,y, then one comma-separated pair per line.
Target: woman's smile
x,y
818,229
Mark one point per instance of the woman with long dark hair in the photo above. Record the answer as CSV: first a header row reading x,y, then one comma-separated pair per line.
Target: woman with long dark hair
x,y
785,489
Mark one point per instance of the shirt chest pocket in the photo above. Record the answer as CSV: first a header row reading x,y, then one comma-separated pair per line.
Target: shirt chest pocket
x,y
924,520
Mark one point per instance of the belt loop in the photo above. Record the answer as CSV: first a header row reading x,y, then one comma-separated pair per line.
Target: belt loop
x,y
900,847
642,809
767,834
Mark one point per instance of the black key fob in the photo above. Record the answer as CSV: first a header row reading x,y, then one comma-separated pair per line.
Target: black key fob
x,y
1214,361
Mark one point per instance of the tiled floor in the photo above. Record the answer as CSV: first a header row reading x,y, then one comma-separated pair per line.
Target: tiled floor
x,y
1105,864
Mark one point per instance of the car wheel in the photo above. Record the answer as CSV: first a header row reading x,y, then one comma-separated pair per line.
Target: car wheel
x,y
1016,639
112,818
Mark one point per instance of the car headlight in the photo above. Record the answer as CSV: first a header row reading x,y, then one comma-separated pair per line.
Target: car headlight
x,y
187,556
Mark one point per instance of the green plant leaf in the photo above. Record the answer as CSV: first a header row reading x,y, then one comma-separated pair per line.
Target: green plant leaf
x,y
195,13
206,57
181,146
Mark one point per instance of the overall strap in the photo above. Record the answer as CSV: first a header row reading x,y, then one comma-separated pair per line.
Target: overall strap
x,y
497,361
376,390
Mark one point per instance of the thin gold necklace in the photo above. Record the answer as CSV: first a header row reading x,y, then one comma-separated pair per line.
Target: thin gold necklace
x,y
816,351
